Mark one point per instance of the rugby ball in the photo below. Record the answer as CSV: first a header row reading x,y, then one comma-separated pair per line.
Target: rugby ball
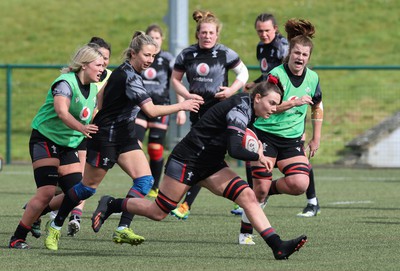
x,y
250,141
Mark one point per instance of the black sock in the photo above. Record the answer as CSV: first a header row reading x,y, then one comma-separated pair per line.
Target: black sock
x,y
115,206
272,239
21,231
273,190
46,210
310,193
192,194
156,167
68,203
246,228
126,218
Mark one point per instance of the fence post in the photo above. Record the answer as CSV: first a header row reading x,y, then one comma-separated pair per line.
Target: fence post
x,y
8,113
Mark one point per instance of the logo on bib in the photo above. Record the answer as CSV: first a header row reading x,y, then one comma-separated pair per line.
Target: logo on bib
x,y
85,113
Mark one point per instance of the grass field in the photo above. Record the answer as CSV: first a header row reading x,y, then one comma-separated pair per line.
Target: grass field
x,y
358,229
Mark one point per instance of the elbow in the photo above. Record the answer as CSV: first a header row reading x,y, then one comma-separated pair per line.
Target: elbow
x,y
151,115
62,116
242,73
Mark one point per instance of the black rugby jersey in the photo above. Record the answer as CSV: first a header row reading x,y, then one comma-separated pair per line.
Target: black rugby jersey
x,y
156,78
271,55
206,71
123,96
209,138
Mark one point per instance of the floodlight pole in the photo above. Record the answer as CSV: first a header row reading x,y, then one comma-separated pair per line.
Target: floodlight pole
x,y
177,21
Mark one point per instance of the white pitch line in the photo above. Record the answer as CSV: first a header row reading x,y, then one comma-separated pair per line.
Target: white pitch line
x,y
350,202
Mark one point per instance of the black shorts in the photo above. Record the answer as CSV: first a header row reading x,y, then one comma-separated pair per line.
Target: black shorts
x,y
82,146
40,147
279,147
190,173
104,154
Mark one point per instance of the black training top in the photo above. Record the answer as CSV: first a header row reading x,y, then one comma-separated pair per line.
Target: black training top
x,y
271,55
206,71
123,96
219,130
156,78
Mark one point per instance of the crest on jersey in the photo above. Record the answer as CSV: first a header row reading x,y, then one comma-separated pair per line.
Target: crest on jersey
x,y
308,90
214,53
272,52
85,113
159,61
264,64
203,69
150,73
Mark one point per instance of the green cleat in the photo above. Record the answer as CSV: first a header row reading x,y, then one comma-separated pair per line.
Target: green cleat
x,y
182,212
237,210
53,235
127,236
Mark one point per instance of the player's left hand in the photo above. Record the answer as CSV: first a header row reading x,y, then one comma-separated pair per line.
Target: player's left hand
x,y
312,148
224,93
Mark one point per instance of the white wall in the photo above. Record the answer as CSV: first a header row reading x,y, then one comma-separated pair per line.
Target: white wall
x,y
386,153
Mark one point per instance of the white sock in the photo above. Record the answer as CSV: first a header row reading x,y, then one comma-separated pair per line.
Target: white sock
x,y
53,214
313,201
120,228
54,226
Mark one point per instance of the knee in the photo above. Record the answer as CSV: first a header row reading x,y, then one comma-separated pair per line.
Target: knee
x,y
248,196
297,177
82,192
45,194
143,184
261,193
297,184
158,216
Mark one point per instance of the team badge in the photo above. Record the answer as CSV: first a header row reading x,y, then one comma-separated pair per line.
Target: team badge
x,y
189,176
203,69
